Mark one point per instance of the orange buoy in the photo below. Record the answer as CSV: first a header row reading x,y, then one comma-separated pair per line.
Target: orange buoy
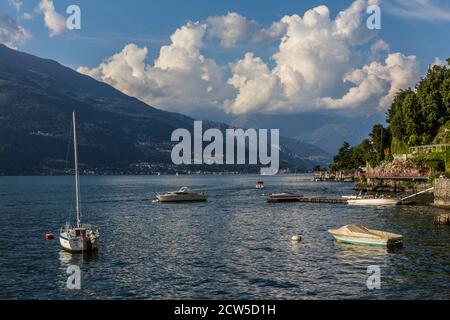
x,y
49,236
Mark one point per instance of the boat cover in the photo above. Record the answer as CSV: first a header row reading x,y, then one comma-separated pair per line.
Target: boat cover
x,y
356,230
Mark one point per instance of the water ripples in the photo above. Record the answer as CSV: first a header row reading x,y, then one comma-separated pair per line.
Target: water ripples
x,y
235,246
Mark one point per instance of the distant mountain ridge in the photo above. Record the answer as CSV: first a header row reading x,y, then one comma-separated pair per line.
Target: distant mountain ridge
x,y
117,133
327,131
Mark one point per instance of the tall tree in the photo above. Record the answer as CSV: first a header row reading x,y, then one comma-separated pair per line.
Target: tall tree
x,y
381,140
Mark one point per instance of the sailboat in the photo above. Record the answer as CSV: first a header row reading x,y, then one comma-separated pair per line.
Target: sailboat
x,y
78,238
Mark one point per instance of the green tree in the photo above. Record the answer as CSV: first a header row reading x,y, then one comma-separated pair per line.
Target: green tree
x,y
343,158
415,117
381,140
432,109
395,116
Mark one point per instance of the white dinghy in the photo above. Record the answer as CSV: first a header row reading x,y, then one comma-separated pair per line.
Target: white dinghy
x,y
358,234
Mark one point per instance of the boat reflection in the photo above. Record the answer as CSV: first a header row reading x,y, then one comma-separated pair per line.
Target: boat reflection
x,y
67,258
351,250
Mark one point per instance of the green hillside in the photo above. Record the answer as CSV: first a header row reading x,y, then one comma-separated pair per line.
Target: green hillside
x,y
117,133
417,117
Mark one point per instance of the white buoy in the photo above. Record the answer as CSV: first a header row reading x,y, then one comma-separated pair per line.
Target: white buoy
x,y
296,238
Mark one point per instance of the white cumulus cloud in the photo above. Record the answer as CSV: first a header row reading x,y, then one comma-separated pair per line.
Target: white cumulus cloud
x,y
17,4
439,62
378,83
319,63
11,33
54,21
230,29
181,77
234,28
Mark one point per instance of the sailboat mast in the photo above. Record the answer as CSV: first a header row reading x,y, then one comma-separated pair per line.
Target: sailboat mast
x,y
77,176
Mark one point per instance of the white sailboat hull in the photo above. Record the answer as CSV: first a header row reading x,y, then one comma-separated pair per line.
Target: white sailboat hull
x,y
77,244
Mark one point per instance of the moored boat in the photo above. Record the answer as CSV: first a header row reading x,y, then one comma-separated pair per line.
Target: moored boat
x,y
358,234
78,238
260,185
182,195
372,202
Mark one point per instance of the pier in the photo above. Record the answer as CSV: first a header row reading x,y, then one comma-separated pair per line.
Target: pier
x,y
334,176
352,176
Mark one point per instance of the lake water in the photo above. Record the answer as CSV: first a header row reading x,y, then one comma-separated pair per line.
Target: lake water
x,y
235,246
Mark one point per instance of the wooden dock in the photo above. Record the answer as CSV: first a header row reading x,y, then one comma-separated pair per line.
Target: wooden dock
x,y
307,199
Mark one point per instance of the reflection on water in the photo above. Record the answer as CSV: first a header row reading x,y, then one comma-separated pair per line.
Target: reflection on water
x,y
235,246
67,258
359,250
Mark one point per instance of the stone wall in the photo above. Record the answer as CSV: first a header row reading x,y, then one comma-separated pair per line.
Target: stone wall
x,y
442,193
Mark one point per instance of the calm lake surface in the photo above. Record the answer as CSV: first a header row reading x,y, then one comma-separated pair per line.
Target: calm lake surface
x,y
235,246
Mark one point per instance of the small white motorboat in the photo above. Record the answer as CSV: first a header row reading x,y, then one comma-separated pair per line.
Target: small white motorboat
x,y
358,234
182,195
372,201
260,185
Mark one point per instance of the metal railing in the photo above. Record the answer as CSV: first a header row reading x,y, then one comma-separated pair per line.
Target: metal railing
x,y
432,148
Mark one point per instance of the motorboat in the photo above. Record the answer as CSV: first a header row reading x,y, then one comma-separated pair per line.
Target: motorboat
x,y
283,197
182,195
358,234
372,201
283,194
260,185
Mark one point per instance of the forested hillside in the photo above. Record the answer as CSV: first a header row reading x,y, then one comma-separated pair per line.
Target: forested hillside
x,y
418,116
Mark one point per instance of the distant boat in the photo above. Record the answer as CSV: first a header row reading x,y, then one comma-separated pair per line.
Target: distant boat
x,y
182,195
358,234
260,185
78,238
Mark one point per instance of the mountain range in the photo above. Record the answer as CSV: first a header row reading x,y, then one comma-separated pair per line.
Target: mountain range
x,y
325,130
116,133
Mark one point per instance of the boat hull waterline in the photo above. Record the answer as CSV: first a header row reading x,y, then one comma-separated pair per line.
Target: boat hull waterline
x,y
356,234
190,198
76,244
365,241
372,202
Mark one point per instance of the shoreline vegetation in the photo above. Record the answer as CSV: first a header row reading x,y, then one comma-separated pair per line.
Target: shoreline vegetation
x,y
414,148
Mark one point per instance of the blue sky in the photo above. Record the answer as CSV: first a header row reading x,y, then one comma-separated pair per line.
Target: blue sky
x,y
409,27
108,25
